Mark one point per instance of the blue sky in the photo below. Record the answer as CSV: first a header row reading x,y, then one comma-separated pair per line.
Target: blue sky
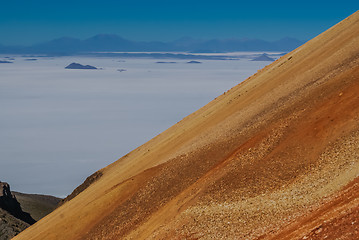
x,y
26,22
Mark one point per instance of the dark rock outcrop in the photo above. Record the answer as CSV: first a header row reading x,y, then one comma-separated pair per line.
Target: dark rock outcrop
x,y
89,180
9,203
79,66
263,57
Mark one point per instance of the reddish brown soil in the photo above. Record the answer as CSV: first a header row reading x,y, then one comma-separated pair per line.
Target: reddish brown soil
x,y
268,159
334,219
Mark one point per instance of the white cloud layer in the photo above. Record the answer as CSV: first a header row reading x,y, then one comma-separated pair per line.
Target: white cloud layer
x,y
58,126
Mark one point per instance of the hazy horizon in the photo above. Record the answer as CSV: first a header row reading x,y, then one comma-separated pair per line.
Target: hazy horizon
x,y
29,22
153,40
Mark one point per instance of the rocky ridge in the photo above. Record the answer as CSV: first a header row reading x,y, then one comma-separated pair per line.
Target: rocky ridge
x,y
9,203
12,219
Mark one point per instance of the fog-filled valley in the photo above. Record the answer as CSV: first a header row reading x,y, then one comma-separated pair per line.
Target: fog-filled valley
x,y
60,125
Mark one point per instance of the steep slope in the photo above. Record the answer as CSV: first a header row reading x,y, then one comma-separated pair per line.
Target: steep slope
x,y
265,154
37,205
335,219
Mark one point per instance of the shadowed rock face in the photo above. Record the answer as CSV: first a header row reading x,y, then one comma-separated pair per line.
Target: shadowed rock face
x,y
37,205
10,226
9,203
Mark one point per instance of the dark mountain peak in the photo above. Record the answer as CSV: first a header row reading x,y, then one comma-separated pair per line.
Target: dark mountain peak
x,y
263,57
79,66
106,39
9,203
108,42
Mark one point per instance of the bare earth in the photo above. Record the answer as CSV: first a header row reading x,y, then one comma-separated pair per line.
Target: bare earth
x,y
36,204
275,157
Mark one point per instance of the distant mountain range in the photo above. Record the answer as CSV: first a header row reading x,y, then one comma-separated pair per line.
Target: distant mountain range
x,y
115,43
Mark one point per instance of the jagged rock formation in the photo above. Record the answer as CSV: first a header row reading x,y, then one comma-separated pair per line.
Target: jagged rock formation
x,y
13,219
275,157
9,203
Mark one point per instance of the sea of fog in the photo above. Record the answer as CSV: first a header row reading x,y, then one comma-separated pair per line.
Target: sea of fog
x,y
58,126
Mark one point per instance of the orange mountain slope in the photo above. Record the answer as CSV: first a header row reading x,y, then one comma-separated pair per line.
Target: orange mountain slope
x,y
275,157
